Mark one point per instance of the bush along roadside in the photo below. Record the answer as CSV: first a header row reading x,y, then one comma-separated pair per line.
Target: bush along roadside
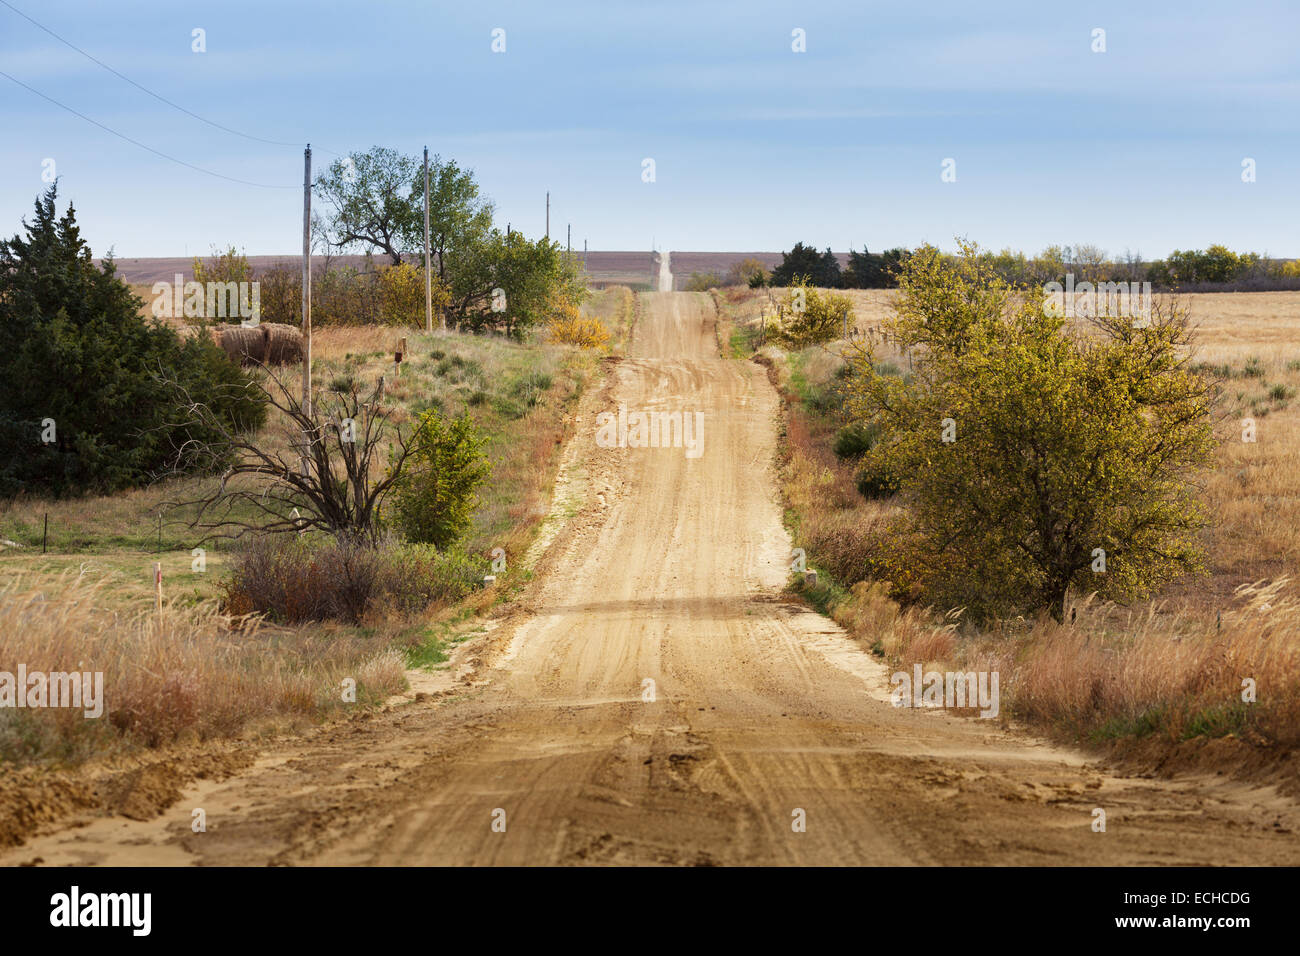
x,y
1156,682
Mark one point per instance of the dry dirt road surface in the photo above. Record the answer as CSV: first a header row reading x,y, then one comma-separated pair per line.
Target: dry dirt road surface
x,y
665,272
668,569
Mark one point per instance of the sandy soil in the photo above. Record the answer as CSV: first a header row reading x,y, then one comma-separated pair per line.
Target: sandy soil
x,y
669,569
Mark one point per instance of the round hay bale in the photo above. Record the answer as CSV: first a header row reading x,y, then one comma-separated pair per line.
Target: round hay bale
x,y
283,343
244,345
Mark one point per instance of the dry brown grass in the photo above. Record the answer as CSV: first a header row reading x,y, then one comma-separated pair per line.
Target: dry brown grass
x,y
181,675
1176,674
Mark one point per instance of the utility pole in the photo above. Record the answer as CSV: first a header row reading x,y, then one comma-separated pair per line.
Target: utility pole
x,y
428,274
568,242
306,284
584,255
548,214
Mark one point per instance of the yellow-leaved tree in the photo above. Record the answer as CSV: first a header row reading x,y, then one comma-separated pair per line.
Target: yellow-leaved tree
x,y
401,295
568,326
1031,454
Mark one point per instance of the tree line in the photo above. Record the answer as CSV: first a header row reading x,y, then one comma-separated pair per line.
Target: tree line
x,y
1191,270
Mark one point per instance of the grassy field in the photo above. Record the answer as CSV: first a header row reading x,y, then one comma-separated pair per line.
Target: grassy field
x,y
93,584
1165,674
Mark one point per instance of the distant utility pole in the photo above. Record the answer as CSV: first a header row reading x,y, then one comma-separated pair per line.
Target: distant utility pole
x,y
428,274
306,284
584,255
568,241
548,214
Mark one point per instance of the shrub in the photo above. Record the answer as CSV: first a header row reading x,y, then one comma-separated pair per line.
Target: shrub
x,y
808,316
292,579
856,439
400,290
569,327
227,266
433,499
345,295
416,576
704,281
747,272
875,481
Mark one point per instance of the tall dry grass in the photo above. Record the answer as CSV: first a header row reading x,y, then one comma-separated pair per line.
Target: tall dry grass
x,y
175,676
1178,675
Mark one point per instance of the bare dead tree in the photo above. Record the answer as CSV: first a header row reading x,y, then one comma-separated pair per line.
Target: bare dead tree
x,y
325,474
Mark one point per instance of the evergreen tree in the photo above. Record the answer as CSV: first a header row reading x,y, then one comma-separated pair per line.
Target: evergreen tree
x,y
821,268
85,404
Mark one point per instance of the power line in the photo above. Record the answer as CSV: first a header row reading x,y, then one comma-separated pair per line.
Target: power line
x,y
145,89
136,142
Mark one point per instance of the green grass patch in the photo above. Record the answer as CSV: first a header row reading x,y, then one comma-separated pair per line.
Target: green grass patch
x,y
1142,725
1220,721
427,653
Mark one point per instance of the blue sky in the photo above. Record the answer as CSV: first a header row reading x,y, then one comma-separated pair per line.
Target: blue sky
x,y
756,146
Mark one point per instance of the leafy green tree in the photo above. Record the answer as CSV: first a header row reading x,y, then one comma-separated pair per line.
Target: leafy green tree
x,y
1218,263
434,498
1033,456
822,268
83,402
375,201
460,218
511,284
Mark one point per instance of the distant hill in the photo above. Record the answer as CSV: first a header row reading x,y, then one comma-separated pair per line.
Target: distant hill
x,y
165,269
603,268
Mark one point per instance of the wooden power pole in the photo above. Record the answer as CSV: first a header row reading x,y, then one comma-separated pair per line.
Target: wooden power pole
x,y
306,283
548,214
428,275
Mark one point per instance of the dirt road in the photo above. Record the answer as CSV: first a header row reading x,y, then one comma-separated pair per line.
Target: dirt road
x,y
665,272
762,715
